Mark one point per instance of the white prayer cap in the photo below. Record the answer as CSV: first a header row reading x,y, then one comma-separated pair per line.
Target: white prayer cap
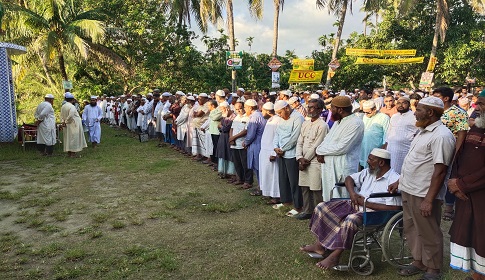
x,y
369,104
190,97
68,95
272,93
241,89
381,153
166,94
143,99
129,99
268,106
49,96
420,94
432,102
179,92
306,92
224,104
234,94
122,96
203,95
220,93
455,97
285,92
319,91
292,100
150,94
405,97
94,97
463,101
280,104
469,95
342,92
251,103
314,96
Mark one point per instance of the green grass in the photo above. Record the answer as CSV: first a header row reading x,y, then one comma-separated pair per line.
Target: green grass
x,y
131,210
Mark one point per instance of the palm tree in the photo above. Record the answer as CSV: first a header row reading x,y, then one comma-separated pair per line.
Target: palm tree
x,y
250,41
201,10
277,5
339,8
56,27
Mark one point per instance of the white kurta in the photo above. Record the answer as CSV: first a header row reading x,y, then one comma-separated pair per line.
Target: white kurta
x,y
46,130
268,171
74,140
341,150
165,109
92,117
402,129
157,114
311,136
207,152
142,118
181,122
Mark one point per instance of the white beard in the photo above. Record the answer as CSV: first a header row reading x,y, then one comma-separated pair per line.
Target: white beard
x,y
480,122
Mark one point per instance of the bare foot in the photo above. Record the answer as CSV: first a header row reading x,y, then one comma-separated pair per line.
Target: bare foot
x,y
328,263
314,248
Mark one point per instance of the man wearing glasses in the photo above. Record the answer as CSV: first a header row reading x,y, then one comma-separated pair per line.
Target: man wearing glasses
x,y
375,130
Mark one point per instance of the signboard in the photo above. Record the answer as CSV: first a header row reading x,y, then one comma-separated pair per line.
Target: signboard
x,y
334,64
426,79
274,64
67,84
389,61
275,77
431,64
305,76
367,52
234,60
303,64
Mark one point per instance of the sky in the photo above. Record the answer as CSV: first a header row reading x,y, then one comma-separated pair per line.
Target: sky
x,y
301,23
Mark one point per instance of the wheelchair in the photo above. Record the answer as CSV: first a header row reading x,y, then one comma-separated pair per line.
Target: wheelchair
x,y
380,231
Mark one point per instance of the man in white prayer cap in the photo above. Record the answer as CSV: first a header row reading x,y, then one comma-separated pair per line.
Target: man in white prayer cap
x,y
421,184
334,223
46,126
91,118
74,140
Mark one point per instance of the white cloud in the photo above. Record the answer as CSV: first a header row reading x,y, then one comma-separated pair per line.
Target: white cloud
x,y
301,23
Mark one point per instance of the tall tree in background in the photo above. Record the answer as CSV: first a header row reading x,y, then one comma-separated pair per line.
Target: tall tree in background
x,y
278,4
202,11
57,27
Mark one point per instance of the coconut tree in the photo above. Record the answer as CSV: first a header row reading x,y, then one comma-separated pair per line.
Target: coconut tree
x,y
202,11
278,4
57,27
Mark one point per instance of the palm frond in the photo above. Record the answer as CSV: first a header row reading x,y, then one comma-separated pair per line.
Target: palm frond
x,y
87,28
256,8
104,54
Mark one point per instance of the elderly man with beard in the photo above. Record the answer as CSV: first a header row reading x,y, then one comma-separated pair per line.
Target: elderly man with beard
x,y
92,116
312,133
468,184
339,152
74,140
200,115
375,130
421,185
402,129
46,126
225,165
335,222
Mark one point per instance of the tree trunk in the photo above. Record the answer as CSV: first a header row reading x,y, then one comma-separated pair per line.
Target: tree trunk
x,y
232,40
62,66
336,44
46,71
275,26
434,46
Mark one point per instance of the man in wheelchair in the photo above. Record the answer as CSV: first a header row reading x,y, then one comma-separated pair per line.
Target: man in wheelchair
x,y
335,222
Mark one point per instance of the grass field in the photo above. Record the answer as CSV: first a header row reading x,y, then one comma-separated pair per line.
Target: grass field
x,y
133,211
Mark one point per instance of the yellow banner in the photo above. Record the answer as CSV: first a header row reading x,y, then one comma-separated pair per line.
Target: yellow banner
x,y
388,61
431,64
303,64
305,76
367,52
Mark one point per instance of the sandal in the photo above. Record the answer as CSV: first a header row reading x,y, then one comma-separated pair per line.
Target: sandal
x,y
409,270
273,201
256,193
448,215
246,186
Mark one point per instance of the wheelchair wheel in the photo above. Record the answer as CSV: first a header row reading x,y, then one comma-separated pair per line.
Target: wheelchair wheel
x,y
394,247
362,265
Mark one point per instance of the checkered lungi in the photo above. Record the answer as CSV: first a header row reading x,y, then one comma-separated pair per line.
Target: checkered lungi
x,y
335,224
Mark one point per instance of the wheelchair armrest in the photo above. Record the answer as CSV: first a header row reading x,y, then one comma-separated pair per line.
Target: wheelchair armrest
x,y
340,184
384,194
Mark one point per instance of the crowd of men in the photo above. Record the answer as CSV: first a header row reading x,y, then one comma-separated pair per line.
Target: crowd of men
x,y
293,148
